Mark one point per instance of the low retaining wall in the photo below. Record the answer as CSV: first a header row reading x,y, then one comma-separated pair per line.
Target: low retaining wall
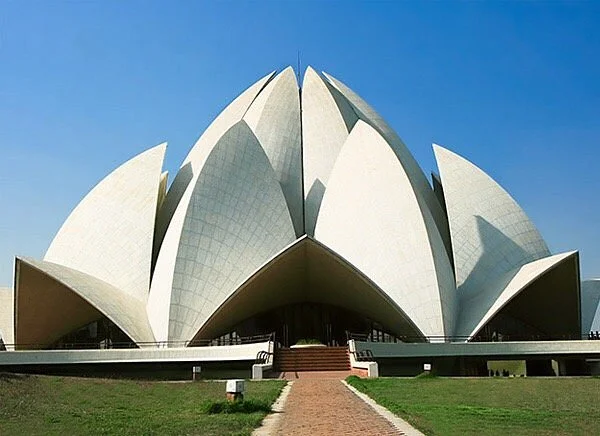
x,y
244,352
232,361
361,368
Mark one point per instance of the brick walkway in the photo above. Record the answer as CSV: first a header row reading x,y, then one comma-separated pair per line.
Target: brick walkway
x,y
324,406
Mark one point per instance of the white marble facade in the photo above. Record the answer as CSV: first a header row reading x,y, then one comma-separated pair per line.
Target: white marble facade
x,y
281,162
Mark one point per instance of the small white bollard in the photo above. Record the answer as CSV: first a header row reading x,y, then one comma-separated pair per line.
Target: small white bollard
x,y
257,371
196,370
234,390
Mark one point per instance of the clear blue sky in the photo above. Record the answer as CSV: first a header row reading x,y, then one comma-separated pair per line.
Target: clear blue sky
x,y
514,87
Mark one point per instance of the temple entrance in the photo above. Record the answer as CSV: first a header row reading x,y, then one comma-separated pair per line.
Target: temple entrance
x,y
306,322
307,293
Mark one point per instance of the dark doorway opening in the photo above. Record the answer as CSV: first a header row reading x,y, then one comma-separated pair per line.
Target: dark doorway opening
x,y
309,322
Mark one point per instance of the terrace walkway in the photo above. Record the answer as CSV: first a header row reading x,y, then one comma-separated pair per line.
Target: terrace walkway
x,y
320,404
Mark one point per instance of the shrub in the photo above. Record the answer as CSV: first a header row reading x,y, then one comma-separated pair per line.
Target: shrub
x,y
308,341
242,406
427,374
352,379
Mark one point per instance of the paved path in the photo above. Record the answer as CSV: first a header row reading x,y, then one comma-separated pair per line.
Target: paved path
x,y
324,406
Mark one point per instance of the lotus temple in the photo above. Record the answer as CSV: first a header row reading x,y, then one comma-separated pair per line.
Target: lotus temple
x,y
300,216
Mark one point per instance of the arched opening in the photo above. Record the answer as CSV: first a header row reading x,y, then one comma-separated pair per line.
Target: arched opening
x,y
310,322
308,290
547,309
99,334
49,314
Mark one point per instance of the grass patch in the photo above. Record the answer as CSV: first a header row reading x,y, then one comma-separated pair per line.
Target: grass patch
x,y
44,405
490,406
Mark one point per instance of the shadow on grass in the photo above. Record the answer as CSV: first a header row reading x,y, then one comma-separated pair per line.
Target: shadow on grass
x,y
245,406
8,377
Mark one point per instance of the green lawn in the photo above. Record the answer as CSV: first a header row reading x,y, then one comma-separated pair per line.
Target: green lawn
x,y
491,406
36,405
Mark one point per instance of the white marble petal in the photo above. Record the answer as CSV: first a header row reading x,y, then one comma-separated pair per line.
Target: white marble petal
x,y
491,235
274,117
195,158
174,207
109,235
370,215
417,178
326,121
236,219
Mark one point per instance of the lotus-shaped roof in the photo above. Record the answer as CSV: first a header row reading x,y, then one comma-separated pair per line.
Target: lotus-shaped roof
x,y
295,195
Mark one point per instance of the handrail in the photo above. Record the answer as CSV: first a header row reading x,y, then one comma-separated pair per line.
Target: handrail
x,y
263,356
270,337
363,356
594,336
107,344
498,337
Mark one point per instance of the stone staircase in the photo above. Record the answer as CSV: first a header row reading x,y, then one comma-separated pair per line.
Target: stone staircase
x,y
312,359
